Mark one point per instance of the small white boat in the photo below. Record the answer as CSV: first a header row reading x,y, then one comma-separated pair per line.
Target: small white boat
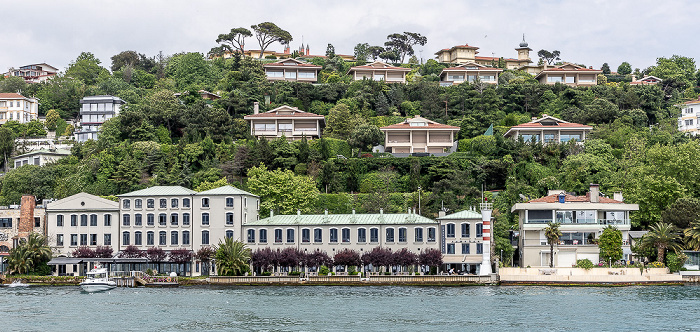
x,y
17,283
97,281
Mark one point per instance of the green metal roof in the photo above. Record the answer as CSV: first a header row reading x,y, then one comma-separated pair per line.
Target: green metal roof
x,y
60,152
160,191
225,190
461,215
343,219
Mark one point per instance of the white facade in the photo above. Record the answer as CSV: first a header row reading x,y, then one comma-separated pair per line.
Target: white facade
x,y
94,111
689,121
15,107
40,157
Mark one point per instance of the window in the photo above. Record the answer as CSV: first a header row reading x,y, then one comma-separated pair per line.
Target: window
x,y
93,239
205,218
150,219
264,127
554,79
137,203
205,202
345,234
162,219
229,234
137,238
126,221
229,202
307,74
361,235
450,248
569,79
83,220
378,77
419,234
162,238
403,235
479,248
59,240
285,127
73,220
150,238
138,219
305,235
431,234
127,204
205,237
59,220
465,229
318,235
185,202
479,230
334,235
465,248
374,235
125,239
272,73
74,239
108,239
389,235
251,236
174,238
290,235
174,203
278,236
185,219
5,222
689,122
185,237
229,218
290,74
263,236
173,219
163,203
454,77
450,230
150,203
108,220
570,137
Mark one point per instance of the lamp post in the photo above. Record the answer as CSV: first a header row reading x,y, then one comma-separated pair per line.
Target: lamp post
x,y
419,188
501,256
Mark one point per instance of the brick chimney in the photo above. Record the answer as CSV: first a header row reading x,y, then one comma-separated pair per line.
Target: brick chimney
x,y
595,193
26,216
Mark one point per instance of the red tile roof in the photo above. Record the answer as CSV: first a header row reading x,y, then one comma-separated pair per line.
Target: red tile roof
x,y
270,114
560,125
477,68
572,199
406,125
380,68
695,101
11,95
281,65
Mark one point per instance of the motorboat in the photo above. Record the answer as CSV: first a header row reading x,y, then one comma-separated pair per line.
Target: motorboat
x,y
97,281
17,283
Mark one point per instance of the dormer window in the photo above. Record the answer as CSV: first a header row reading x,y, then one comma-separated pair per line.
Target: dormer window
x,y
290,63
471,67
418,124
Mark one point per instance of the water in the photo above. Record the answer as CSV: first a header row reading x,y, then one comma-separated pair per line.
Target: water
x,y
321,308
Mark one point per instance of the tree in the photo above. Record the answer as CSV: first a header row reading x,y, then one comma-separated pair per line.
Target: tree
x,y
402,44
692,236
7,144
155,255
234,41
347,257
133,60
330,51
375,52
232,257
430,257
52,118
282,190
103,252
29,255
340,122
13,84
610,244
205,255
663,237
362,52
206,185
131,252
683,212
552,233
365,136
267,33
606,69
86,68
624,68
548,56
83,252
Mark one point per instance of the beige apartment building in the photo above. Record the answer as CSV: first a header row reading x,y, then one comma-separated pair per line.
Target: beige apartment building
x,y
379,71
292,70
549,129
569,74
469,72
15,107
418,135
582,220
462,54
286,121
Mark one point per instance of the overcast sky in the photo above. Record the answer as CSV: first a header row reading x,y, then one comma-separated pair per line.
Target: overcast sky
x,y
588,32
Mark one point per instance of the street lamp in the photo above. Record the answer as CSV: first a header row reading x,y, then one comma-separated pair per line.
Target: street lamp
x,y
419,188
501,256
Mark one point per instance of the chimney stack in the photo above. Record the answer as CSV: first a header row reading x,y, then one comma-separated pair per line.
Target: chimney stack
x,y
618,196
272,213
256,108
595,193
441,214
26,216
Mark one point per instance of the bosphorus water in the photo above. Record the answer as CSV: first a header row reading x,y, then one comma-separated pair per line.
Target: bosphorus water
x,y
336,308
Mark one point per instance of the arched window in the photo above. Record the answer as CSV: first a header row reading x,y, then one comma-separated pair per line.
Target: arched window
x,y
205,237
450,230
465,229
185,219
150,203
173,219
229,234
174,237
263,236
138,203
185,202
162,238
251,236
125,239
163,219
361,235
389,235
345,235
150,240
163,203
205,218
229,202
126,203
333,235
185,237
137,238
229,218
205,202
403,234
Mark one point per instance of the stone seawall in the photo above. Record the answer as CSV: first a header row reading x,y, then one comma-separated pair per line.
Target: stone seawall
x,y
456,280
573,276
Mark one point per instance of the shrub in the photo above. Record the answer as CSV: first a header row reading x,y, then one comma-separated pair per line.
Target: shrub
x,y
655,265
675,261
294,273
323,270
584,264
266,274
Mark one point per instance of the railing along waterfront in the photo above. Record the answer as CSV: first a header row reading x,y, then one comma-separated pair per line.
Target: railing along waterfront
x,y
380,279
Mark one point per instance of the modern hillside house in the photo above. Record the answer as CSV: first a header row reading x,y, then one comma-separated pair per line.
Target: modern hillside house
x,y
40,157
418,135
569,74
582,220
34,73
469,72
549,129
689,119
94,111
15,107
379,71
462,54
292,70
286,121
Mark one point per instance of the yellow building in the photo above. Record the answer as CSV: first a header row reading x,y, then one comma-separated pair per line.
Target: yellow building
x,y
462,54
469,72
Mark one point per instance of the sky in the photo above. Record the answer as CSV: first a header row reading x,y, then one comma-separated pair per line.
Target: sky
x,y
588,32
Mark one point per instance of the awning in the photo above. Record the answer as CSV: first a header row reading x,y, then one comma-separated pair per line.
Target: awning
x,y
128,260
64,260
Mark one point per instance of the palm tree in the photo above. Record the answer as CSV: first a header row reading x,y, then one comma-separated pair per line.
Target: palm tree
x,y
29,254
232,257
20,260
38,247
692,236
552,233
662,236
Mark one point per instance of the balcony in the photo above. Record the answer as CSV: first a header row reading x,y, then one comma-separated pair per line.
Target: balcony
x,y
604,222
